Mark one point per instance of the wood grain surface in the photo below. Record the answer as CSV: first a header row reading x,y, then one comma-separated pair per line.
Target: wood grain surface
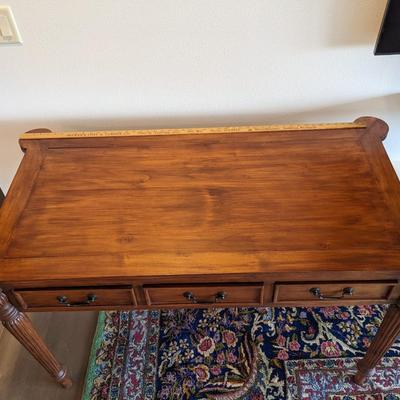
x,y
202,203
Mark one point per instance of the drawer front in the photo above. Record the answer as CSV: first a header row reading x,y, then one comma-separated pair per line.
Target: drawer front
x,y
340,292
204,295
75,298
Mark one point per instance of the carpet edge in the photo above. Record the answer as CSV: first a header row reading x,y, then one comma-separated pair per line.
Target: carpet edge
x,y
90,371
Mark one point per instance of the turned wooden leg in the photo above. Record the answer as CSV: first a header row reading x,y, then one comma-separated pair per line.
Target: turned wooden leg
x,y
20,326
385,337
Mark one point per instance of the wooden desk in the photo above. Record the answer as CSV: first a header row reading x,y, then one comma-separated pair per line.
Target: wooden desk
x,y
242,216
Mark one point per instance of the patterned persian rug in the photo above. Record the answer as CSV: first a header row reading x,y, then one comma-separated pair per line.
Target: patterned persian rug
x,y
238,353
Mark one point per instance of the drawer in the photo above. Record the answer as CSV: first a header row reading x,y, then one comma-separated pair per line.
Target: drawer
x,y
75,298
203,295
339,292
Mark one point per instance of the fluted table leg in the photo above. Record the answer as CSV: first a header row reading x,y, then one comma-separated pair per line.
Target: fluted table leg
x,y
20,326
383,340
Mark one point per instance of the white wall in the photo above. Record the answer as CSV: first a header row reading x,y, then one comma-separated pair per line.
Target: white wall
x,y
100,64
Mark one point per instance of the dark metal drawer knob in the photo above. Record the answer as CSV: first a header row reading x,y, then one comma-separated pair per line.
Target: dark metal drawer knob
x,y
347,291
91,298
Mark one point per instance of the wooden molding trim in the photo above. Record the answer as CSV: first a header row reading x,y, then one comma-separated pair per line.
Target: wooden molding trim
x,y
34,134
16,199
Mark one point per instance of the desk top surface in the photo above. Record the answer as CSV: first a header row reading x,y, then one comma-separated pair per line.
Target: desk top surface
x,y
187,202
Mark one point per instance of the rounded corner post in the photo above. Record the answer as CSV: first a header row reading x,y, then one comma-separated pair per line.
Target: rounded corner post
x,y
374,125
23,142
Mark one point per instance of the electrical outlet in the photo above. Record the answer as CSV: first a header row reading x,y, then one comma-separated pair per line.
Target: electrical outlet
x,y
8,28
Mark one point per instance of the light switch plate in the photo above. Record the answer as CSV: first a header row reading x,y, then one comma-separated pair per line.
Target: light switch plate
x,y
9,33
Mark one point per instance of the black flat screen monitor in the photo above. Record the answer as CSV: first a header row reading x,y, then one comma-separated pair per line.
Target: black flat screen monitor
x,y
389,35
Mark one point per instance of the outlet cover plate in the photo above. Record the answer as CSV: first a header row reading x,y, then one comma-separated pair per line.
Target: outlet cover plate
x,y
9,33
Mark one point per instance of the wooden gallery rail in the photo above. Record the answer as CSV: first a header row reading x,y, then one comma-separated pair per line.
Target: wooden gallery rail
x,y
288,215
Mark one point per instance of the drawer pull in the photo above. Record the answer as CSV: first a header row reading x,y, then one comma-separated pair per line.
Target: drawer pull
x,y
347,291
91,298
220,296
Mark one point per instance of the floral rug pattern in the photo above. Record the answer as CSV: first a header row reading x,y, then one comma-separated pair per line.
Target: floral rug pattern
x,y
238,353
